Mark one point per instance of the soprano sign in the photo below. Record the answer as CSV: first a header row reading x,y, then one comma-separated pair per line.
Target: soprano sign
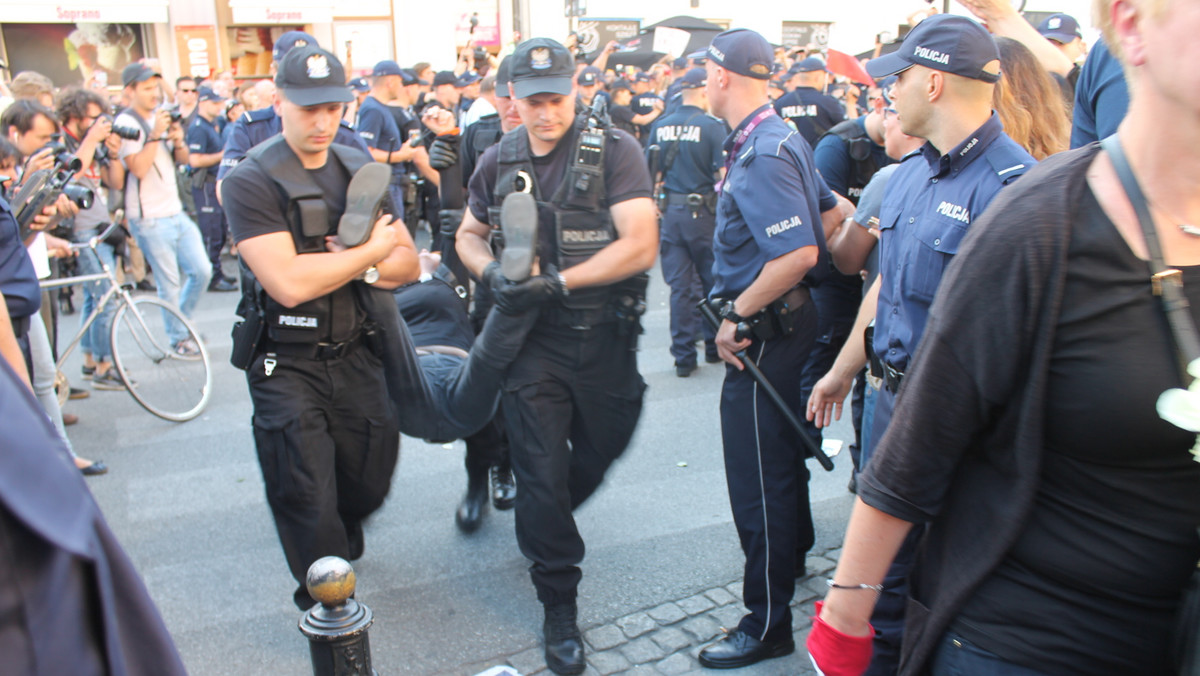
x,y
98,11
261,12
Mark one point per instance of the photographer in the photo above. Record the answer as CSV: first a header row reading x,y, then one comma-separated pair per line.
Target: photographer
x,y
170,240
87,133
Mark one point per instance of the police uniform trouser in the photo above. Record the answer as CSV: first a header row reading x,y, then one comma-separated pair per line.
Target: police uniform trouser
x,y
211,219
767,477
687,252
327,444
572,400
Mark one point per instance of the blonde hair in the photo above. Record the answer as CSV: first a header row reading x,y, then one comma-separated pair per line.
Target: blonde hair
x,y
1030,104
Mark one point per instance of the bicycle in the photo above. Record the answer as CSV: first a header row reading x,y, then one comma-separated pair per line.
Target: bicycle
x,y
173,384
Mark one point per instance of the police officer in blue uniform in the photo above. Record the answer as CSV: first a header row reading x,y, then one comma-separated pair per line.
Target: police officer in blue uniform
x,y
326,434
376,124
927,209
691,147
768,247
574,395
18,281
807,107
256,126
204,154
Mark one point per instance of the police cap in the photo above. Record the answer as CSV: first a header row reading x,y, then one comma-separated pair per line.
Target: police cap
x,y
811,64
310,76
288,41
946,42
1060,28
744,52
694,79
542,66
386,67
589,76
503,75
444,77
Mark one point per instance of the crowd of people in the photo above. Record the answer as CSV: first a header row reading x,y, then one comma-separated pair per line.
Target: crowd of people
x,y
948,244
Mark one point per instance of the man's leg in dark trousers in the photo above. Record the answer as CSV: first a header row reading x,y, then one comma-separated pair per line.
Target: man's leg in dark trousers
x,y
327,446
211,219
572,400
686,253
764,468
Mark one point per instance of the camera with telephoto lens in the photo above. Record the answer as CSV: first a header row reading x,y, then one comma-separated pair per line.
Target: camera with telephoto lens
x,y
127,133
42,187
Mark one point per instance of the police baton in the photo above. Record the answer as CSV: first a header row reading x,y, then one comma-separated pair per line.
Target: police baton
x,y
653,155
756,373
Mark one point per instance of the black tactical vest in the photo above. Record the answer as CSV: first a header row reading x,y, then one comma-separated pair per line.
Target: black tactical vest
x,y
334,317
858,147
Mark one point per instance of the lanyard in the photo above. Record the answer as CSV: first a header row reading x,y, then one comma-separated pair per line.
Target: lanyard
x,y
740,139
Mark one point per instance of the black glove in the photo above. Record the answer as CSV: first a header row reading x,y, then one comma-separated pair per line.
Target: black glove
x,y
443,152
513,299
449,220
493,277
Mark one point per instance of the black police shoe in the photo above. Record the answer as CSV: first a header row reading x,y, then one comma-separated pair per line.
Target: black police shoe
x,y
504,488
519,224
470,511
222,285
355,539
363,199
685,370
739,649
564,644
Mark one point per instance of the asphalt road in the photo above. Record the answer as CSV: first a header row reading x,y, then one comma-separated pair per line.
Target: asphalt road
x,y
187,502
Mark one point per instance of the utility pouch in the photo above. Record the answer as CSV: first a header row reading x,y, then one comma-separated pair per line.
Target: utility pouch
x,y
874,366
247,336
373,337
785,308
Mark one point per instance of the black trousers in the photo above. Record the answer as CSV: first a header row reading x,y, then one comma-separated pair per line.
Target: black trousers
x,y
768,479
572,400
211,219
327,444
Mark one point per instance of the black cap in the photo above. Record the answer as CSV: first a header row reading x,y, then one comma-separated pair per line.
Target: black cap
x,y
811,64
542,66
946,42
137,72
407,77
680,63
444,77
503,75
589,76
208,94
386,67
467,79
1060,28
620,84
360,85
310,76
694,79
288,41
744,52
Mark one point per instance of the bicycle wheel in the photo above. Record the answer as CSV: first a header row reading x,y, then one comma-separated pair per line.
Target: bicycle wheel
x,y
169,384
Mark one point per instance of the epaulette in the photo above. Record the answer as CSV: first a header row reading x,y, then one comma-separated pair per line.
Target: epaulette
x,y
260,115
1009,162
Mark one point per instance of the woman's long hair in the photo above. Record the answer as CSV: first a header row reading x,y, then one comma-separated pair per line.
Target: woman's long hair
x,y
1030,104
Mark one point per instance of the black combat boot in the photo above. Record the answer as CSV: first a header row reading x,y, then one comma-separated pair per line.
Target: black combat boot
x,y
504,487
564,645
470,511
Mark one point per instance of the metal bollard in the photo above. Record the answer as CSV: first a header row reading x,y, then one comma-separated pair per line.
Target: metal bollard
x,y
337,626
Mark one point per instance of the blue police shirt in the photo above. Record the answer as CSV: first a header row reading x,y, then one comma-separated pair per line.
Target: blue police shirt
x,y
18,280
377,126
203,138
256,126
770,205
810,112
701,153
927,207
1101,97
832,156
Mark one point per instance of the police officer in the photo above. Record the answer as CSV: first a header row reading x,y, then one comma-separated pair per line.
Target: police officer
x,y
574,395
377,126
807,107
645,103
691,153
768,247
204,146
847,156
256,126
927,209
326,436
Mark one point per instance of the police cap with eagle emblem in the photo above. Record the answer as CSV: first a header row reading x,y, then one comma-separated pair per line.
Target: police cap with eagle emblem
x,y
946,42
310,76
541,66
744,52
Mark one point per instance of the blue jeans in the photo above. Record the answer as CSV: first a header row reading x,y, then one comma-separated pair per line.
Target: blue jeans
x,y
175,250
98,339
956,656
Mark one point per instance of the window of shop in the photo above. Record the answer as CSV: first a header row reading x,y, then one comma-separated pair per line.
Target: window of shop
x,y
72,53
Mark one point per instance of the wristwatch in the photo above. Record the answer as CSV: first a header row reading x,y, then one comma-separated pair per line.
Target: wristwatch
x,y
370,275
727,312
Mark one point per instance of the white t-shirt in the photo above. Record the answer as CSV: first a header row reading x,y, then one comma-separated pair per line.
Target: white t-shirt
x,y
156,195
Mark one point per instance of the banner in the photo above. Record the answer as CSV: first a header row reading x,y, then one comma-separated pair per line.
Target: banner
x,y
805,33
671,41
594,34
478,22
197,47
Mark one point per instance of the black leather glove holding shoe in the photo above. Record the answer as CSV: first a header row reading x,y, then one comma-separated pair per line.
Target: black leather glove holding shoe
x,y
443,152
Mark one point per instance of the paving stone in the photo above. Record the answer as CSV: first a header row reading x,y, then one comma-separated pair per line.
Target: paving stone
x,y
637,624
720,596
727,616
609,662
675,664
701,628
671,639
667,613
819,564
833,554
641,670
815,586
529,662
642,650
735,589
605,637
694,605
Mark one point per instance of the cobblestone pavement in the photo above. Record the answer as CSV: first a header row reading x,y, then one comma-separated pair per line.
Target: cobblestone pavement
x,y
664,640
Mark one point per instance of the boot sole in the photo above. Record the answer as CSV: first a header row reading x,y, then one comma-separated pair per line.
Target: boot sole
x,y
519,223
364,197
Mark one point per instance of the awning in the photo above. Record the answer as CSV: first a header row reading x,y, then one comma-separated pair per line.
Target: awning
x,y
76,11
290,12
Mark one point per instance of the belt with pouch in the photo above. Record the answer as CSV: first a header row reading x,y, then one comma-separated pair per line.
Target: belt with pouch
x,y
693,200
314,351
778,318
892,378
